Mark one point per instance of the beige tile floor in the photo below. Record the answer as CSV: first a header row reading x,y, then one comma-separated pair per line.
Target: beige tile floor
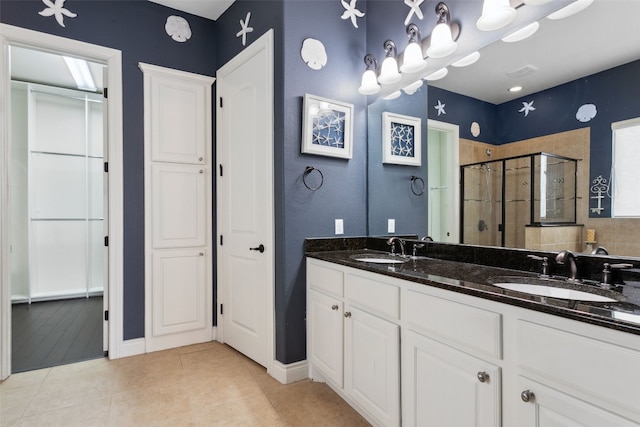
x,y
201,385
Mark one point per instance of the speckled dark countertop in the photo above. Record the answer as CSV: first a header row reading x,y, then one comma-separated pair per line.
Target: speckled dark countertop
x,y
473,279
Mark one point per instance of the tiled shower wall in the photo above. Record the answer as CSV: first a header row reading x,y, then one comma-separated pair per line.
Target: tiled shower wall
x,y
621,236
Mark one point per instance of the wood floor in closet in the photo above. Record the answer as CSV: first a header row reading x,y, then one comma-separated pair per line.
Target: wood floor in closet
x,y
52,333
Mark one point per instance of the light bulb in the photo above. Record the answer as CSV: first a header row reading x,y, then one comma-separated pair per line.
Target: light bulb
x,y
442,43
413,60
495,15
389,71
369,84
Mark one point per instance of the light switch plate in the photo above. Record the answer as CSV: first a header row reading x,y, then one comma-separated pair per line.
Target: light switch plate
x,y
339,226
391,226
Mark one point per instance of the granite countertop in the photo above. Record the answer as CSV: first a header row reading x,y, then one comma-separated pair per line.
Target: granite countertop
x,y
473,279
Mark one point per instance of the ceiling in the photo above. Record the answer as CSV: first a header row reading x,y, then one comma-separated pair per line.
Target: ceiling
x,y
603,36
211,9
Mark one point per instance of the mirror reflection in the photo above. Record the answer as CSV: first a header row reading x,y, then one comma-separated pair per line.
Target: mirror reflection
x,y
579,79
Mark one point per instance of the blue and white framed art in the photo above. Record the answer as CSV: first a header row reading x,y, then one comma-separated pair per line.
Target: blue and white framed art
x,y
401,140
327,127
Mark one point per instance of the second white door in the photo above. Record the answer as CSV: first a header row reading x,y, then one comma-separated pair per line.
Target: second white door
x,y
245,201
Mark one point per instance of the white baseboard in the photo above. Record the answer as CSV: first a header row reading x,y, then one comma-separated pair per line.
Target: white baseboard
x,y
132,347
291,372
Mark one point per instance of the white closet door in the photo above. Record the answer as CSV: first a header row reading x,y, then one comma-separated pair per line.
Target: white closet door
x,y
178,205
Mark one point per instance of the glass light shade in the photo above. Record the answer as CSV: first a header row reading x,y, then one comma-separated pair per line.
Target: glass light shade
x,y
572,9
369,85
413,87
440,74
467,60
413,60
389,71
442,43
495,15
536,2
522,33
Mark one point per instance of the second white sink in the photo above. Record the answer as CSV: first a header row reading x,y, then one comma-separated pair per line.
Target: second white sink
x,y
554,292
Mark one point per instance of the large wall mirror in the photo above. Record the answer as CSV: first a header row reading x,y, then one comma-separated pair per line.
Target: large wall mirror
x,y
579,75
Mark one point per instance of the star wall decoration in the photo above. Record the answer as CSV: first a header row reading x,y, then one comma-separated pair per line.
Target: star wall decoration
x,y
244,29
527,107
351,12
415,9
440,108
56,10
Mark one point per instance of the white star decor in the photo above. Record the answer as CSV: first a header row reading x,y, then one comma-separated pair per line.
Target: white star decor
x,y
526,108
245,29
415,9
351,12
56,10
440,108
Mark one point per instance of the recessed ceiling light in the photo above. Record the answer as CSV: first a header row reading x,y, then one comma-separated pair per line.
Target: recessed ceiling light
x,y
515,89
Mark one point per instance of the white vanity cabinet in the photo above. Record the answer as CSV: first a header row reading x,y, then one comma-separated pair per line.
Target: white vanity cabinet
x,y
463,360
353,339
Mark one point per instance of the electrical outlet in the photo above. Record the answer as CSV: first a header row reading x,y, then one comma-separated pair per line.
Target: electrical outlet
x,y
339,226
391,226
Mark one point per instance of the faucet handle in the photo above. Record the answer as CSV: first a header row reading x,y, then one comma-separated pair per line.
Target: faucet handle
x,y
417,246
620,266
545,264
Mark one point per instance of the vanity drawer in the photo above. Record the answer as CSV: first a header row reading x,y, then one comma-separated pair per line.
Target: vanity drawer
x,y
468,328
321,277
588,366
374,296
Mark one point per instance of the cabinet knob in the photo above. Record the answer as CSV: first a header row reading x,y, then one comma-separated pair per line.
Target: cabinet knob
x,y
483,377
201,170
200,159
334,307
527,396
347,314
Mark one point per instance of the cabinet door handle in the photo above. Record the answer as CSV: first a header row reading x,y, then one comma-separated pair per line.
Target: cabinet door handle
x,y
483,376
334,307
347,314
527,396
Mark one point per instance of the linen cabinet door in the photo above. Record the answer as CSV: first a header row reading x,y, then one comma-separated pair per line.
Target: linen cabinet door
x,y
325,342
372,364
446,387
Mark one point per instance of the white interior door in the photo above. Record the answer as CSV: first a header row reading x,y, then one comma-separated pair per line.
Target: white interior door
x,y
245,203
444,193
178,215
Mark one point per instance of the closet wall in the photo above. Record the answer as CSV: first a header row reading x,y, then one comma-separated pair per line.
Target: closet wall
x,y
56,193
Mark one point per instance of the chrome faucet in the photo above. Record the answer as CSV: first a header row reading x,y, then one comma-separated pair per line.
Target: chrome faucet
x,y
600,250
391,242
568,256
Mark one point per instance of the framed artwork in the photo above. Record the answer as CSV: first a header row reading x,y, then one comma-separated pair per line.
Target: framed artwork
x,y
327,127
401,139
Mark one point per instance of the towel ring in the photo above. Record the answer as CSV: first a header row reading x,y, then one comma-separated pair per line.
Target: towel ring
x,y
417,189
307,172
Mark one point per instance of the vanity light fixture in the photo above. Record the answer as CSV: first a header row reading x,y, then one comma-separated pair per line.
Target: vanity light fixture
x,y
442,43
495,15
389,71
440,74
369,85
522,33
79,69
413,87
413,59
571,9
467,60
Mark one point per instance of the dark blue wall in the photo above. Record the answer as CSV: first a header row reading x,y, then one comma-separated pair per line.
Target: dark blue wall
x,y
137,29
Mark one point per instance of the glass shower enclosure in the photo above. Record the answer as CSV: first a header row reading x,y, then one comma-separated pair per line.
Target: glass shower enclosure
x,y
502,197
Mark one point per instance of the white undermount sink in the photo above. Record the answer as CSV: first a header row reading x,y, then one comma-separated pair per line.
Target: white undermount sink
x,y
550,288
379,258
